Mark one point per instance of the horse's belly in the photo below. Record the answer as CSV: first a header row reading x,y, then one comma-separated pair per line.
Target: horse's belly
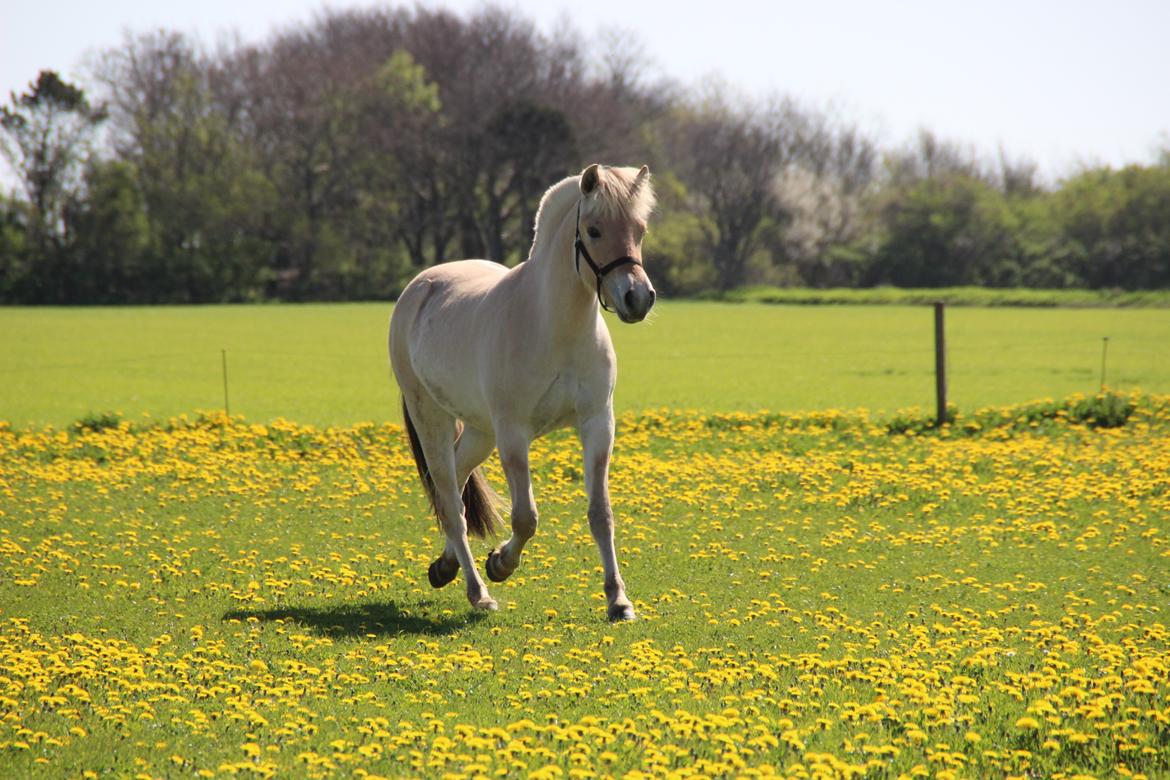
x,y
458,396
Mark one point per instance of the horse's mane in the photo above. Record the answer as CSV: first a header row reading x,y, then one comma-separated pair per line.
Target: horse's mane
x,y
619,191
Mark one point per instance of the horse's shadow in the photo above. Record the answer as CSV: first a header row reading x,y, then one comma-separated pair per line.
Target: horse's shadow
x,y
362,620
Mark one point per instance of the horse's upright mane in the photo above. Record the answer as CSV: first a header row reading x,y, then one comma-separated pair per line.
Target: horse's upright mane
x,y
556,200
619,191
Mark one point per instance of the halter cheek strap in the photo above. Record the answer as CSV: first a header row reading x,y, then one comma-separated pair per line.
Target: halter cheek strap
x,y
580,251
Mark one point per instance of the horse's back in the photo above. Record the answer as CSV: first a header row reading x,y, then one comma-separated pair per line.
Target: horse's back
x,y
435,329
452,289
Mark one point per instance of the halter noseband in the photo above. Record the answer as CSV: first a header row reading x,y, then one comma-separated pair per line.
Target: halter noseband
x,y
600,272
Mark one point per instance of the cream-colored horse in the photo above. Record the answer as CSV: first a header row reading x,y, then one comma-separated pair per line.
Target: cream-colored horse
x,y
490,357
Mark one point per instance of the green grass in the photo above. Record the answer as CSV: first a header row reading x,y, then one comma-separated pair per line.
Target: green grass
x,y
818,598
954,296
326,364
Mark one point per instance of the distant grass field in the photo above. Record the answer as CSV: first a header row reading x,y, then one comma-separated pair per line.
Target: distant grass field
x,y
957,296
326,364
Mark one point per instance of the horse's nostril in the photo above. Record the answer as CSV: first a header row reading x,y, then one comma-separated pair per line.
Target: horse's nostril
x,y
652,296
630,300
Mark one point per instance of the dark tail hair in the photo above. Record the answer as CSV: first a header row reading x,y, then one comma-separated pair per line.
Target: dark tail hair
x,y
480,502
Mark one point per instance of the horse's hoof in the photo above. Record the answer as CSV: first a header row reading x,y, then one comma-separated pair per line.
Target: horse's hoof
x,y
621,612
485,604
438,576
495,571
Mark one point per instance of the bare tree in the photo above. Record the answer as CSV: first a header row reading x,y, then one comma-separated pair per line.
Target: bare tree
x,y
1017,176
729,158
823,194
930,157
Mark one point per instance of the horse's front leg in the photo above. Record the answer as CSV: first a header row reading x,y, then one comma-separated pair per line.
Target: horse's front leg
x,y
513,445
597,442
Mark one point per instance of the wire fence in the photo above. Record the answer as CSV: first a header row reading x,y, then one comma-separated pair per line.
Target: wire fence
x,y
977,373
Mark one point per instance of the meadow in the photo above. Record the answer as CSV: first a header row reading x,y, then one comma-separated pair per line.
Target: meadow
x,y
839,593
822,595
326,364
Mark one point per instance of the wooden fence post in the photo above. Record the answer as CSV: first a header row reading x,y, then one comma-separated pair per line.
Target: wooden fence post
x,y
940,365
1104,352
227,409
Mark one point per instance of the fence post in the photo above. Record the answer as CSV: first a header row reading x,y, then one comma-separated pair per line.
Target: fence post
x,y
1104,352
227,410
940,365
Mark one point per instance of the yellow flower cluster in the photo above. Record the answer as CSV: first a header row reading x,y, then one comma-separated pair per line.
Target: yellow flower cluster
x,y
822,598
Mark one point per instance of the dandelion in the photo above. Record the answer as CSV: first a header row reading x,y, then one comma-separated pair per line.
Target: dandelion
x,y
879,637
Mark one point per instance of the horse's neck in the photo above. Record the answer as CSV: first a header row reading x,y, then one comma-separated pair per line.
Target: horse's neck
x,y
564,304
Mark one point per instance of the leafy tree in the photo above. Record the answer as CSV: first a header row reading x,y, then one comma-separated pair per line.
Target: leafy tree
x,y
339,157
14,255
110,259
943,231
674,248
1116,224
46,132
527,147
205,203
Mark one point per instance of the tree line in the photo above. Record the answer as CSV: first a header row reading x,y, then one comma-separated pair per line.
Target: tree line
x,y
336,159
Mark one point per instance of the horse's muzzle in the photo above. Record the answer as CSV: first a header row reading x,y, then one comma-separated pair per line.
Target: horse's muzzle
x,y
636,303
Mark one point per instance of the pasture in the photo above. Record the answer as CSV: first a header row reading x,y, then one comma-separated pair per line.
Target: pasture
x,y
834,593
820,597
326,364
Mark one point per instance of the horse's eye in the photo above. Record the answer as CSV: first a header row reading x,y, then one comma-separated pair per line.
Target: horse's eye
x,y
594,232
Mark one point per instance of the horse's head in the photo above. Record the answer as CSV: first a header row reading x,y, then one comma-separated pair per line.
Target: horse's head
x,y
615,204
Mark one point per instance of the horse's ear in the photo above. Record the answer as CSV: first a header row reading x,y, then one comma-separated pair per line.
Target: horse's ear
x,y
642,177
590,178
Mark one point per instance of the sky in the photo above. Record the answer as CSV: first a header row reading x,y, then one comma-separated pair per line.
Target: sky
x,y
1064,84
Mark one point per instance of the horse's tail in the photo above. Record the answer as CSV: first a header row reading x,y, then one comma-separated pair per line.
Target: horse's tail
x,y
480,503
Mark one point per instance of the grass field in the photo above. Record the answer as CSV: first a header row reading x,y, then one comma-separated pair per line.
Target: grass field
x,y
956,296
819,598
326,364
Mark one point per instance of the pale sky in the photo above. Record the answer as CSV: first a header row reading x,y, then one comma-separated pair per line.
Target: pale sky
x,y
1061,83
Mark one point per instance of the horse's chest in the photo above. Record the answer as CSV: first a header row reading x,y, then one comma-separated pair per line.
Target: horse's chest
x,y
556,407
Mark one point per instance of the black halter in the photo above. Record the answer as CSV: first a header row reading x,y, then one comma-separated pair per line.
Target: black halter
x,y
600,272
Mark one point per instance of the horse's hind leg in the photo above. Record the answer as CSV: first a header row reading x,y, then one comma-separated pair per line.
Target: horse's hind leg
x,y
436,433
514,457
472,449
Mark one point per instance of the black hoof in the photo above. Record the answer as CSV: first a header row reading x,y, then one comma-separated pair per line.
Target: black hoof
x,y
494,572
438,577
621,613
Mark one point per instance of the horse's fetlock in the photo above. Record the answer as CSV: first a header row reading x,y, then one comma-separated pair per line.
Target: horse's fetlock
x,y
615,589
495,566
600,518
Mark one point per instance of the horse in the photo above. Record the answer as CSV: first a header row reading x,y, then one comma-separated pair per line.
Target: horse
x,y
489,357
